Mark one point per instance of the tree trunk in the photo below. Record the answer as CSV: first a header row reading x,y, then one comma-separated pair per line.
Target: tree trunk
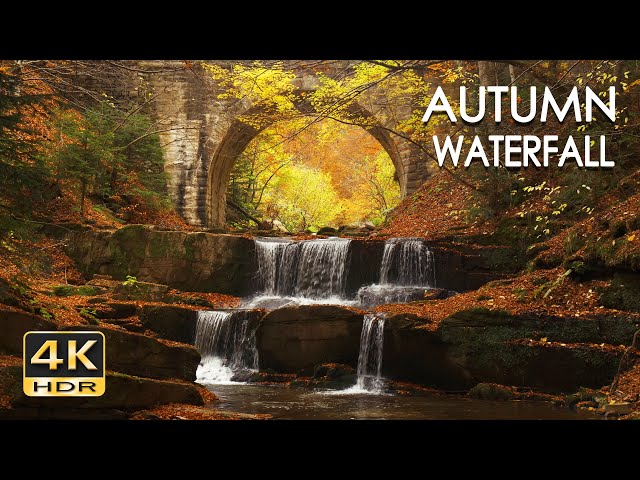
x,y
245,213
487,73
83,193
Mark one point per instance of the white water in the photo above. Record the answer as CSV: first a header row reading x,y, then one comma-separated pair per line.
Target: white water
x,y
271,302
226,345
310,269
370,357
407,270
407,262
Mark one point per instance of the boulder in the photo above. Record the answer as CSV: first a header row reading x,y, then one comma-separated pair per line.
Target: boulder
x,y
622,408
144,356
369,226
622,292
279,226
170,322
333,376
123,392
148,292
13,326
491,391
333,370
438,294
293,338
113,310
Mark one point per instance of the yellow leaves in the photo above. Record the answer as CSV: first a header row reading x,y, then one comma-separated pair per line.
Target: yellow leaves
x,y
543,340
634,83
631,237
269,86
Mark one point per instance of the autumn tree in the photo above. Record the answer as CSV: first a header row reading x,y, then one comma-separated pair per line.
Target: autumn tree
x,y
22,171
85,151
303,198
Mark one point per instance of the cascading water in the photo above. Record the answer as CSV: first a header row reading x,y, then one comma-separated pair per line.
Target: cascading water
x,y
370,356
310,271
406,271
407,262
226,342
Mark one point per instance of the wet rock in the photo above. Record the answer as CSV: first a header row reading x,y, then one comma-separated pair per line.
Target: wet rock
x,y
270,377
572,400
333,370
585,406
622,408
144,356
491,391
293,338
13,326
438,294
242,376
373,295
333,376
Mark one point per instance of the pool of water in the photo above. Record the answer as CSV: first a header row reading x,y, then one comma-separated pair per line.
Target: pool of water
x,y
300,404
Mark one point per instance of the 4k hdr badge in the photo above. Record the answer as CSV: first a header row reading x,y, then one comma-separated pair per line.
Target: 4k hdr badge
x,y
67,364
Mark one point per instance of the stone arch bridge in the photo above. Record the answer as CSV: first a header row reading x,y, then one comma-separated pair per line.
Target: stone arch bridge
x,y
203,136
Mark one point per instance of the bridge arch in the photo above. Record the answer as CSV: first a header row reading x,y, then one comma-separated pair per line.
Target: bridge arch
x,y
238,137
202,136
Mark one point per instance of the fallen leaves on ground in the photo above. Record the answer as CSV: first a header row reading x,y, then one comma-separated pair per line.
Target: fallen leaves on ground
x,y
436,210
523,294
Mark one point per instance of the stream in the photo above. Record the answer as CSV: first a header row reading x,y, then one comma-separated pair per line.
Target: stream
x,y
300,404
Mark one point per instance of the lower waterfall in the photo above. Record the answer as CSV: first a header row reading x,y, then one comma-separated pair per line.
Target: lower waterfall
x,y
226,342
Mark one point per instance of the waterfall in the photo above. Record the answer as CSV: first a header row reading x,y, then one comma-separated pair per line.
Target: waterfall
x,y
407,262
226,342
274,265
370,356
312,269
322,268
